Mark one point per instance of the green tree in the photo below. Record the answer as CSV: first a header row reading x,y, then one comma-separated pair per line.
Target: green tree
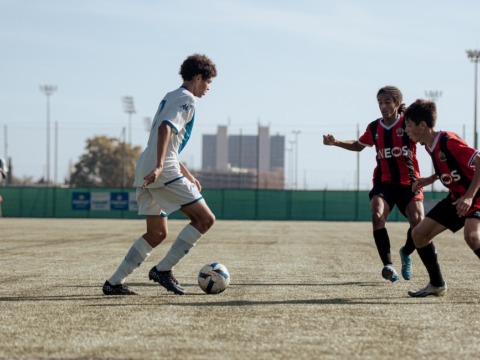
x,y
107,162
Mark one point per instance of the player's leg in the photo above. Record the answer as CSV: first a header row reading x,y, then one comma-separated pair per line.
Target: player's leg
x,y
422,235
140,250
165,278
443,216
380,210
136,255
157,229
183,195
472,234
414,213
201,219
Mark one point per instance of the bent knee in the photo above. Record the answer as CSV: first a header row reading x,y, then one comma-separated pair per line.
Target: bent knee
x,y
415,213
208,222
420,240
378,219
415,219
155,238
472,240
204,224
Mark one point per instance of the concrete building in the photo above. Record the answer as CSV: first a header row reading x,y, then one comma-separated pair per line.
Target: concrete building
x,y
243,161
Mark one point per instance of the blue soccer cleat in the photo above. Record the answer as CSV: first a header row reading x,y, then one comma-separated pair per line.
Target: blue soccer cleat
x,y
406,265
389,273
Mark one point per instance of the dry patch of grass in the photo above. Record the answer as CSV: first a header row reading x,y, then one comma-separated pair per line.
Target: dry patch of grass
x,y
304,290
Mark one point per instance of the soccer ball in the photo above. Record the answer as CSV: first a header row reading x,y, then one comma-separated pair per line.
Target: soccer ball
x,y
213,278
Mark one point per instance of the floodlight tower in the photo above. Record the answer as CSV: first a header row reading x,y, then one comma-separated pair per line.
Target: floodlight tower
x,y
147,122
48,90
433,95
474,56
129,108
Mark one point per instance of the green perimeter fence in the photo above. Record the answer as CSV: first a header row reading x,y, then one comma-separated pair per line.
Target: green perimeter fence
x,y
226,204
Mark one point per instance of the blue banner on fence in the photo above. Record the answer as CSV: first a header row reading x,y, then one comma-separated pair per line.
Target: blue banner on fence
x,y
104,201
119,201
81,201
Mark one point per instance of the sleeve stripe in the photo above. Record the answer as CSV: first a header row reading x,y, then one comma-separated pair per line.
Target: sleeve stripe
x,y
169,123
470,163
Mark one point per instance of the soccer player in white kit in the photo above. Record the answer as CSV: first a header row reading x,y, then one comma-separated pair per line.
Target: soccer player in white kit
x,y
165,185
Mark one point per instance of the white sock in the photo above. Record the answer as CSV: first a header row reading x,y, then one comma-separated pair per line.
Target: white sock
x,y
138,253
186,240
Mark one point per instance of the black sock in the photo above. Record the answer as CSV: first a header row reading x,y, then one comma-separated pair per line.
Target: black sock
x,y
409,246
383,245
477,252
428,254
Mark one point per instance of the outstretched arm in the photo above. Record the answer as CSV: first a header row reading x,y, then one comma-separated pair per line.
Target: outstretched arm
x,y
352,145
164,133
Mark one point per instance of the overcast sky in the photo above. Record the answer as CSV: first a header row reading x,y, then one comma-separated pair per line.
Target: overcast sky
x,y
308,66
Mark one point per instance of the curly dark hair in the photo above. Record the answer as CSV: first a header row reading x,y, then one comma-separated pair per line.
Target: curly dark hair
x,y
422,110
197,64
396,95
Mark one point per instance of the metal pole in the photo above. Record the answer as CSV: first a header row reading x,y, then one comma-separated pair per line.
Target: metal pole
x,y
48,90
258,161
433,95
240,157
130,128
296,132
358,160
124,181
129,108
48,141
5,136
474,56
475,105
56,155
292,164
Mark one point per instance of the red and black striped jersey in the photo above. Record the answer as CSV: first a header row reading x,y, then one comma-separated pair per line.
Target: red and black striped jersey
x,y
396,153
453,162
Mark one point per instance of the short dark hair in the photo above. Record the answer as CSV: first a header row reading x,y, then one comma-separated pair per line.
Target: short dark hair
x,y
422,110
197,64
396,95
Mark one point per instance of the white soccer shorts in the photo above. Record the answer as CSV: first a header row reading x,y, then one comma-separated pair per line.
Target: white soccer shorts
x,y
168,199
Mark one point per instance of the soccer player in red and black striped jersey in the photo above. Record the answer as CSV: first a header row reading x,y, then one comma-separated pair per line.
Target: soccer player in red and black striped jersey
x,y
397,169
457,166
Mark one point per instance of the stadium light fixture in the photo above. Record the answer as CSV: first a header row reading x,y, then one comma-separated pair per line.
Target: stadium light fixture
x,y
433,95
48,90
129,108
474,56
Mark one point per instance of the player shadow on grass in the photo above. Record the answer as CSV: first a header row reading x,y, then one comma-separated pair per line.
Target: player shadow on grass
x,y
348,283
212,301
50,298
334,301
242,303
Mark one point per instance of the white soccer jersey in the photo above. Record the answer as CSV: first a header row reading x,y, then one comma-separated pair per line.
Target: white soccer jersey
x,y
177,109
